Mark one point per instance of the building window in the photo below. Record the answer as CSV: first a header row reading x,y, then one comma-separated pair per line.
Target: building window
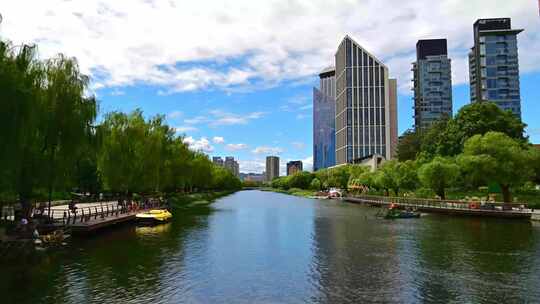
x,y
348,53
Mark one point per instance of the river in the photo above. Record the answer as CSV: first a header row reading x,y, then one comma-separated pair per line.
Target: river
x,y
264,247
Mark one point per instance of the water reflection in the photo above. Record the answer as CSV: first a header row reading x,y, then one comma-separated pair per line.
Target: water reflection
x,y
152,230
260,247
355,256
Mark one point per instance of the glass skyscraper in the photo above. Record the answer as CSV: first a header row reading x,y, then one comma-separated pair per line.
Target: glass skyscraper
x,y
366,105
432,82
324,132
493,64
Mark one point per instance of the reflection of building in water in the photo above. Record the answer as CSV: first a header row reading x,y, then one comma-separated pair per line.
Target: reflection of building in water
x,y
355,257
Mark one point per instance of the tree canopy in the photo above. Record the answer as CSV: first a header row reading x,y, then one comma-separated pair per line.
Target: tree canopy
x,y
51,142
495,157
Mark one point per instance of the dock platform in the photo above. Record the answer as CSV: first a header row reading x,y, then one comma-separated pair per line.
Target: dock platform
x,y
90,217
512,211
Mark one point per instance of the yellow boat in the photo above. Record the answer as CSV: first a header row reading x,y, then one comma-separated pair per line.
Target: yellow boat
x,y
154,216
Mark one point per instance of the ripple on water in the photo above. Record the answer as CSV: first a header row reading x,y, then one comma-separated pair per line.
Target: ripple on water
x,y
261,247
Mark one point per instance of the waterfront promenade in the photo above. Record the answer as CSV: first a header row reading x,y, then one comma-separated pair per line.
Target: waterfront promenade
x,y
88,217
499,210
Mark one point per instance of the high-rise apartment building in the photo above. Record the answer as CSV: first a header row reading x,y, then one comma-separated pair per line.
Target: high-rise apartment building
x,y
324,131
366,105
232,165
272,167
217,160
432,82
493,64
294,166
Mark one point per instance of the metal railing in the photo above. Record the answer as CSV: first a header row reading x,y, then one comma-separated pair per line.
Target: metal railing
x,y
443,204
101,211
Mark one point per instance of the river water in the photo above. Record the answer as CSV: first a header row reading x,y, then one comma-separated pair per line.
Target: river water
x,y
263,247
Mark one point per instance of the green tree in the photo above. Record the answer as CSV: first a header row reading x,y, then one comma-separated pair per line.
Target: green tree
x,y
478,118
67,120
410,144
496,157
21,119
536,164
300,180
315,184
434,138
439,174
407,175
386,176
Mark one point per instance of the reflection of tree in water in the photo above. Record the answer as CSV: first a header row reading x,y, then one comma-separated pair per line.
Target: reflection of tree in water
x,y
113,266
475,260
354,257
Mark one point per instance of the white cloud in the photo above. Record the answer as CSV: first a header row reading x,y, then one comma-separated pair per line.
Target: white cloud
x,y
204,44
117,92
175,114
218,118
202,144
307,163
184,129
196,120
298,145
267,150
218,140
302,116
235,147
252,166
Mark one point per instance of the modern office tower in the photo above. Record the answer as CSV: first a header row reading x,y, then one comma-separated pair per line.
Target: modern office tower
x,y
366,105
294,166
232,165
493,64
432,82
324,131
272,167
217,160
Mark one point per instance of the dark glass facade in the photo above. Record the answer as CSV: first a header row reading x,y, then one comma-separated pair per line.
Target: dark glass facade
x,y
324,132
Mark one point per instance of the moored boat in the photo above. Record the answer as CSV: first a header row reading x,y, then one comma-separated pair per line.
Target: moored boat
x,y
154,216
394,212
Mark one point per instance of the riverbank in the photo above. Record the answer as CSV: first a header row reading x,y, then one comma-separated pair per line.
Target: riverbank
x,y
292,191
195,200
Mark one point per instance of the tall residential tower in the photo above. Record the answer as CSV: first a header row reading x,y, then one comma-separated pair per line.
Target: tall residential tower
x,y
432,82
366,105
324,131
493,64
272,167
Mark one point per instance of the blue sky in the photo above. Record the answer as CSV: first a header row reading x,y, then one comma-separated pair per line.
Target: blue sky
x,y
236,77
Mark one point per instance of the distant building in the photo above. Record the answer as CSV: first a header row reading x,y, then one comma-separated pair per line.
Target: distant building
x,y
253,177
217,160
366,105
537,146
493,64
232,165
432,82
372,161
324,131
294,166
272,167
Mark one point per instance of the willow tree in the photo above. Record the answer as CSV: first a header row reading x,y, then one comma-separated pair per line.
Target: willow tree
x,y
44,120
68,118
21,79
